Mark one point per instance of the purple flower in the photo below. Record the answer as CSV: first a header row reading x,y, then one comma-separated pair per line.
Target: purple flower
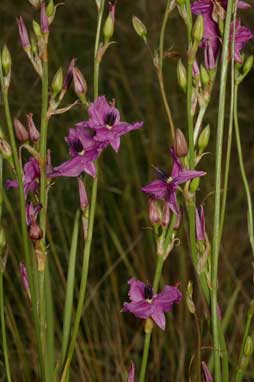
x,y
200,223
206,373
106,123
30,178
131,374
44,19
242,35
32,213
166,187
145,304
83,150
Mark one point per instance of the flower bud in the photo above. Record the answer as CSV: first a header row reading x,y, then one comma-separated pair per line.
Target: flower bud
x,y
82,195
198,29
6,60
108,29
35,3
204,137
2,240
23,34
248,347
20,131
34,134
35,232
37,29
195,69
194,185
205,78
44,19
154,212
180,144
165,215
5,149
50,10
69,76
248,63
181,75
80,84
57,82
139,27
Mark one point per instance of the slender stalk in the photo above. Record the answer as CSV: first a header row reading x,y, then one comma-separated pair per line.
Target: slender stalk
x,y
243,173
216,225
160,69
88,243
3,330
145,357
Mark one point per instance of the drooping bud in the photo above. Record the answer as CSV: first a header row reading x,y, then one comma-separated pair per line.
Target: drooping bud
x,y
23,34
189,299
203,139
200,224
69,76
35,232
20,131
37,29
198,29
205,78
80,85
165,215
194,185
5,149
180,144
181,75
44,19
153,211
140,28
34,134
108,29
82,195
35,3
6,60
57,82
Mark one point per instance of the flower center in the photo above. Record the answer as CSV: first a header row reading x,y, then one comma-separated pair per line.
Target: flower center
x,y
78,147
169,180
109,120
148,292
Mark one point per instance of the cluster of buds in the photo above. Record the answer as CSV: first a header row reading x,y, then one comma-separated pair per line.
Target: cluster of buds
x,y
24,134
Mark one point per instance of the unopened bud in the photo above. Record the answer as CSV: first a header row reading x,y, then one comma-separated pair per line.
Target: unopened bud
x,y
37,29
35,3
204,137
34,134
165,215
108,29
180,144
179,218
20,131
248,347
35,232
44,19
247,65
69,76
80,84
57,82
154,212
5,149
195,69
189,300
23,34
198,29
181,75
6,60
50,10
194,185
82,195
139,27
205,78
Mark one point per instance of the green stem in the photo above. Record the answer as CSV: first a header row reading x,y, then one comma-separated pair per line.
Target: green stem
x,y
216,226
145,357
3,329
88,243
243,173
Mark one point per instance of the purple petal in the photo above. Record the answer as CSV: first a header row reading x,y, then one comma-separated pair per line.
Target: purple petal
x,y
141,309
98,110
186,175
157,189
131,375
169,295
202,7
172,202
11,183
177,165
136,292
159,318
125,127
74,167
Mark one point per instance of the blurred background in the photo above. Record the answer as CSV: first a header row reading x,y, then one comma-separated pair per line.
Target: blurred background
x,y
123,244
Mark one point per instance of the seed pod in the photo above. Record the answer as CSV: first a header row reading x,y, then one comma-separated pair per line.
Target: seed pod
x,y
34,134
57,82
204,137
139,27
20,131
198,29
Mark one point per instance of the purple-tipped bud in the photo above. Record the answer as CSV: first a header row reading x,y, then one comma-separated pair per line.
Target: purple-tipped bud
x,y
80,85
200,224
154,213
206,373
69,75
25,41
44,19
24,277
180,144
35,232
34,134
108,28
165,215
20,131
195,69
131,374
82,195
5,149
